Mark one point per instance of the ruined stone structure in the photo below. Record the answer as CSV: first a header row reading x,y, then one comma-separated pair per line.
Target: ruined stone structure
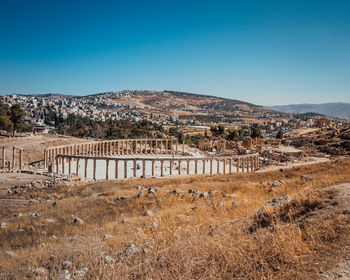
x,y
14,162
132,158
114,147
122,167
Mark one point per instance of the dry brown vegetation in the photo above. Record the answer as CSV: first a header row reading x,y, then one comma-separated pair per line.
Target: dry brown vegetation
x,y
186,237
34,146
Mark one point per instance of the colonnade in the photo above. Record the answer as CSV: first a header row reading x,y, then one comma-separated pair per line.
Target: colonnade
x,y
11,164
114,147
121,167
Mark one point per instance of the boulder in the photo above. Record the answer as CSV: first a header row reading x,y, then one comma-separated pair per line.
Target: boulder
x,y
67,264
108,260
78,221
148,213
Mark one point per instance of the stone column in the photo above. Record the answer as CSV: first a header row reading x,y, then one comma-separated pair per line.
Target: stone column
x,y
3,157
45,158
107,169
13,157
171,166
161,167
63,164
145,147
179,166
204,166
134,168
77,167
224,167
195,166
188,166
69,165
211,166
20,159
243,164
152,167
230,166
237,164
116,165
144,168
57,162
85,168
94,169
218,166
125,168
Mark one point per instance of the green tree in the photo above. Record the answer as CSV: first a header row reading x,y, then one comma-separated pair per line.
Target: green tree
x,y
232,135
279,134
5,123
17,117
255,131
217,131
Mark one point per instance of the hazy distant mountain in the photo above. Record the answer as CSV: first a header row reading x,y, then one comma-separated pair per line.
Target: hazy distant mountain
x,y
337,109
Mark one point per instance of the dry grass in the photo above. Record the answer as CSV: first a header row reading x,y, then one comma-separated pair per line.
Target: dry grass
x,y
186,238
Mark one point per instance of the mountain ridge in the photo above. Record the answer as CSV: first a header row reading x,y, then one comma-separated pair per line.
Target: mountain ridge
x,y
331,109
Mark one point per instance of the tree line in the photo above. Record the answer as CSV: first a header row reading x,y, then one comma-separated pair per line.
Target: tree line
x,y
12,119
79,126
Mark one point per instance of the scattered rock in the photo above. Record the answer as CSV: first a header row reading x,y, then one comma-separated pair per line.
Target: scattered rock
x,y
78,221
176,191
212,192
128,251
277,184
41,272
306,178
203,194
107,236
67,264
279,201
140,194
125,220
35,215
65,275
10,253
152,191
18,215
231,195
148,213
3,225
108,260
50,220
80,273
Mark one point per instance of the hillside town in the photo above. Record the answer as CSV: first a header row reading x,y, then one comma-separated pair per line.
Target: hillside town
x,y
41,110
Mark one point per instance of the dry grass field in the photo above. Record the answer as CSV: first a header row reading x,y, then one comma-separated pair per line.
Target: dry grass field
x,y
34,146
216,235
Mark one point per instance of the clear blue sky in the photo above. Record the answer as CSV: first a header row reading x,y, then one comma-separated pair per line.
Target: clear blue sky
x,y
264,52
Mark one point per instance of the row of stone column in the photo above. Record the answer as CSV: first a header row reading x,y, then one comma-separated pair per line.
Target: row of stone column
x,y
115,147
12,164
242,164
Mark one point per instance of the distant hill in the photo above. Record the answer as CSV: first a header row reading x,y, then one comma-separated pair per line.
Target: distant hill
x,y
337,109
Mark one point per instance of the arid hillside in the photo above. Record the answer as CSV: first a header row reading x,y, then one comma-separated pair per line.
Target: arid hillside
x,y
283,224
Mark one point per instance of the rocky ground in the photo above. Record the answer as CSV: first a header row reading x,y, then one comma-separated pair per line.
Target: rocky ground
x,y
281,224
